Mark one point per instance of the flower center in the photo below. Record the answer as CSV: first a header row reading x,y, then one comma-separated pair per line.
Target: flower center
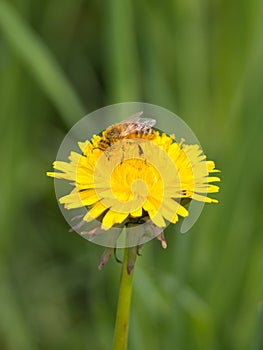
x,y
139,189
130,184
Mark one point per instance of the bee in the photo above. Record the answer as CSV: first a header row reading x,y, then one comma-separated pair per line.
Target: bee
x,y
133,127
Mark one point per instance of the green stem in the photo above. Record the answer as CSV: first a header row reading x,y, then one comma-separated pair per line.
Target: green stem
x,y
123,308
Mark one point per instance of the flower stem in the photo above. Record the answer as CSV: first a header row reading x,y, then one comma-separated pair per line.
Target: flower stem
x,y
123,308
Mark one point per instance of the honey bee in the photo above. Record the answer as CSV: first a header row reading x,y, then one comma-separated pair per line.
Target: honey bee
x,y
132,127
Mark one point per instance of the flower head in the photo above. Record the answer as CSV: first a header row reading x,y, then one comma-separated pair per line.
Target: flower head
x,y
139,179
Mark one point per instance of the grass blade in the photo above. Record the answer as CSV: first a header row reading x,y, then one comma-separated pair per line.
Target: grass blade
x,y
40,62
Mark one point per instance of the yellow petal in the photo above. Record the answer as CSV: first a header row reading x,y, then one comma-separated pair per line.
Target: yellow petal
x,y
95,211
211,167
154,213
111,218
201,198
79,199
137,213
170,208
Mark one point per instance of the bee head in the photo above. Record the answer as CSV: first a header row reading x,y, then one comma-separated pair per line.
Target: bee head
x,y
113,133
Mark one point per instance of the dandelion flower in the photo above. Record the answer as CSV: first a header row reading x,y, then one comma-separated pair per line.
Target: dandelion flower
x,y
138,179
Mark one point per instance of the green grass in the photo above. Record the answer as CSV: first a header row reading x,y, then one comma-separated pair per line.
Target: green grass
x,y
62,60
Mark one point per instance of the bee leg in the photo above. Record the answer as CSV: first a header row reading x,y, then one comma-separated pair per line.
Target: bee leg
x,y
141,153
140,150
122,158
98,148
107,154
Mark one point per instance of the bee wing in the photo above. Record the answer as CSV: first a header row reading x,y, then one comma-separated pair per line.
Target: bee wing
x,y
136,118
146,122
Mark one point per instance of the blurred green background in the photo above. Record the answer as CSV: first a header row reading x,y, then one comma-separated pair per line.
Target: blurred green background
x,y
60,60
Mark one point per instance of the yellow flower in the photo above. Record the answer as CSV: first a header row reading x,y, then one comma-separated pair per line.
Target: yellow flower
x,y
135,179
